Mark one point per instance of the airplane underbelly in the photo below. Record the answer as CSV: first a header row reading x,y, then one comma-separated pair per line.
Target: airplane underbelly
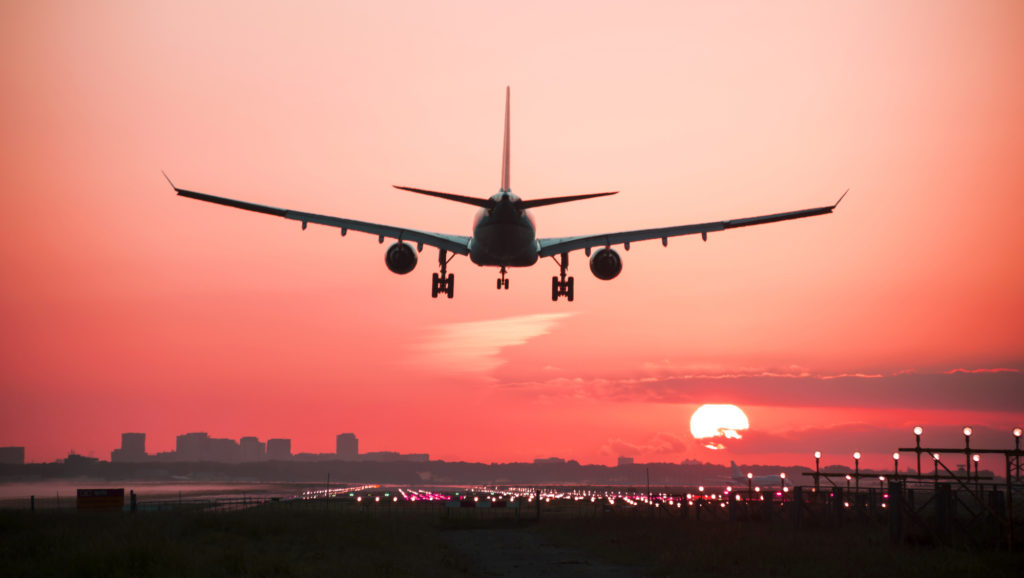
x,y
508,245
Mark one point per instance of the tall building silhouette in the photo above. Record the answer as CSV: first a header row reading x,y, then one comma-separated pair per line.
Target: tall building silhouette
x,y
279,449
200,447
192,447
253,450
133,448
223,450
348,446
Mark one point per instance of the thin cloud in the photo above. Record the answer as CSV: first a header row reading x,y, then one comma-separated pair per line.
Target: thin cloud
x,y
983,370
987,390
476,346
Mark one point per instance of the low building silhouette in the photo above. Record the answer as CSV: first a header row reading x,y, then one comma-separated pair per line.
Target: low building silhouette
x,y
393,457
12,455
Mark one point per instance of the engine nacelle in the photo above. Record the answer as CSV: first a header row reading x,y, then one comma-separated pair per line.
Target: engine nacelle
x,y
400,258
605,264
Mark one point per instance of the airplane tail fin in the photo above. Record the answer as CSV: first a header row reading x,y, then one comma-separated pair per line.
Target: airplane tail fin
x,y
505,152
505,180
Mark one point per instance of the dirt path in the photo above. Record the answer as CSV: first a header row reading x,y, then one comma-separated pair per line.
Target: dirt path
x,y
513,552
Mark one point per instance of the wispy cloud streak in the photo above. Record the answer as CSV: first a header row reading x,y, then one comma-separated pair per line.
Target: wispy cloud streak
x,y
476,346
989,390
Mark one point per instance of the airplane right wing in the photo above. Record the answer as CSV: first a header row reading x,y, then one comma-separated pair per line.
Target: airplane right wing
x,y
555,246
455,243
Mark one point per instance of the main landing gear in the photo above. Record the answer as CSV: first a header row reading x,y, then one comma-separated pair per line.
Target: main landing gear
x,y
563,286
503,282
443,281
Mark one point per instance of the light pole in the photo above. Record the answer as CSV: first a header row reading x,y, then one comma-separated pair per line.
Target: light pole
x,y
896,465
977,478
817,469
782,485
936,458
750,486
856,470
1016,446
917,447
968,430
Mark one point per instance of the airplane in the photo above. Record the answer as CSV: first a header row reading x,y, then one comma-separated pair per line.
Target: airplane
x,y
504,234
763,481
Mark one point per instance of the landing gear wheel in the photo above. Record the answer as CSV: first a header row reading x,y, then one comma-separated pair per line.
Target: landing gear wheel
x,y
443,282
562,285
506,283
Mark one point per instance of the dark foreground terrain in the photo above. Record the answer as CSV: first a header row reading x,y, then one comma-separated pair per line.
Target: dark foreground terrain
x,y
284,540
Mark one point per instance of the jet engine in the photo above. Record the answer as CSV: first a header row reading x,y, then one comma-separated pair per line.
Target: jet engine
x,y
400,258
605,264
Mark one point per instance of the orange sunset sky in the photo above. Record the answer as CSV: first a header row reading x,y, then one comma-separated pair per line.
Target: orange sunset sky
x,y
126,308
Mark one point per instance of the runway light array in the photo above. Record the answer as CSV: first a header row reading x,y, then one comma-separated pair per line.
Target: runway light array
x,y
376,496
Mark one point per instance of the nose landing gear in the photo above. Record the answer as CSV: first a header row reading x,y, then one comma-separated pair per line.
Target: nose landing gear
x,y
502,282
563,285
443,281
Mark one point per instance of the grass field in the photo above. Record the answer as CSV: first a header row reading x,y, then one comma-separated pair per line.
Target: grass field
x,y
670,547
290,540
256,542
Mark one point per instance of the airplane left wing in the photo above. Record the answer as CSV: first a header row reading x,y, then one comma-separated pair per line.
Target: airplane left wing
x,y
555,246
454,243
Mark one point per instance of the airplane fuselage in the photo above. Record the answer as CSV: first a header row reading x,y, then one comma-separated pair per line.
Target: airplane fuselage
x,y
504,235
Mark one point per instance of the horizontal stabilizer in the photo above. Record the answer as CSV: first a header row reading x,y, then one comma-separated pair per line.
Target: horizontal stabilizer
x,y
485,203
556,200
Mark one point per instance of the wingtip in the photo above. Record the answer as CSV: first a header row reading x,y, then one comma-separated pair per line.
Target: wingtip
x,y
840,198
169,180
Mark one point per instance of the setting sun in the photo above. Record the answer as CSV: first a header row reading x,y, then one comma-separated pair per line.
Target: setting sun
x,y
712,423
